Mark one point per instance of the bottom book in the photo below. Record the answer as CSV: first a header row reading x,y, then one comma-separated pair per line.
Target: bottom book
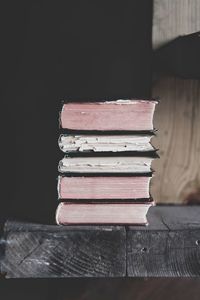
x,y
69,213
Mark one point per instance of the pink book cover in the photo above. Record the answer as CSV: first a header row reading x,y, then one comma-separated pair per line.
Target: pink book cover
x,y
104,187
102,213
129,115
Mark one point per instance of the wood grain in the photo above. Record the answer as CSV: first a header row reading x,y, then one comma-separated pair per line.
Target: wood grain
x,y
169,247
177,117
173,18
39,251
170,254
177,176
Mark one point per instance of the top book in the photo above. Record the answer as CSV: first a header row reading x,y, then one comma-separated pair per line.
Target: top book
x,y
127,115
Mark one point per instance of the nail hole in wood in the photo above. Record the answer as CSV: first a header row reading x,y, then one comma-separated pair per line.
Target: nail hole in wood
x,y
144,249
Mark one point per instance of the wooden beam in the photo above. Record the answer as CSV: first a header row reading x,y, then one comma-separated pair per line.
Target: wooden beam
x,y
177,176
168,247
33,250
172,18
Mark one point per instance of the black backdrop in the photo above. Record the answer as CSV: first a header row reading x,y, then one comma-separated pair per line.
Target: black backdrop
x,y
78,50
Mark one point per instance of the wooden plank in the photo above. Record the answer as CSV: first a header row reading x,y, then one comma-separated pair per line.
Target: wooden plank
x,y
177,176
53,251
163,254
172,18
171,217
177,116
169,247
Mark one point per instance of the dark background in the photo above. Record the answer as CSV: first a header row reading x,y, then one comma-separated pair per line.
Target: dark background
x,y
102,289
77,50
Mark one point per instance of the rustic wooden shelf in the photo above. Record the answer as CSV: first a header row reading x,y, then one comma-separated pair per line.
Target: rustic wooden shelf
x,y
169,246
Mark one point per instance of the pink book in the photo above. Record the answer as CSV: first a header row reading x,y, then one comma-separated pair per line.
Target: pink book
x,y
102,213
102,187
130,115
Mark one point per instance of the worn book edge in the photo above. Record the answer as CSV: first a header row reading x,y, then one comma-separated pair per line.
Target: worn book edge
x,y
103,223
92,151
155,100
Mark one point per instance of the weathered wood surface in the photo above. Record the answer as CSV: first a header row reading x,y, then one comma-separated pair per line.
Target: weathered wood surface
x,y
169,247
172,18
52,251
177,176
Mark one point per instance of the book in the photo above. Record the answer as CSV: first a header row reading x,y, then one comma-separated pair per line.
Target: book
x,y
75,143
128,115
102,213
112,164
112,187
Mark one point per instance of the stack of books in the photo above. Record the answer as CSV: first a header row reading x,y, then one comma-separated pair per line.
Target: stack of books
x,y
106,172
